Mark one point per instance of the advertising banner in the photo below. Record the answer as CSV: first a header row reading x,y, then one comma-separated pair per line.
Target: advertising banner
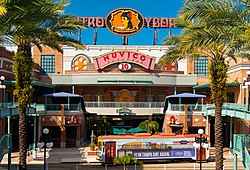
x,y
184,153
152,154
160,154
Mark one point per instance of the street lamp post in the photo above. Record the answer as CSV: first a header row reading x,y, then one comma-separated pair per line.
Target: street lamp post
x,y
45,142
2,86
200,142
246,83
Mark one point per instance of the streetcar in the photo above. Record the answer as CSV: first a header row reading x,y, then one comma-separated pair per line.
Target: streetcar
x,y
144,146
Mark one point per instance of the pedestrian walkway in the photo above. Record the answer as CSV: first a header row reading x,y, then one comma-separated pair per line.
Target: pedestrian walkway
x,y
69,157
55,156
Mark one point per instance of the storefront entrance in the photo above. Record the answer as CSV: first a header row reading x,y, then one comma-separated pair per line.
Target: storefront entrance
x,y
71,132
226,131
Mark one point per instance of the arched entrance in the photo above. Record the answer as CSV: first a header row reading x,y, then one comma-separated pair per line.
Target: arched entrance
x,y
124,95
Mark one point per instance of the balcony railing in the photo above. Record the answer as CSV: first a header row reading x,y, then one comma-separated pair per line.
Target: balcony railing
x,y
125,104
242,107
231,109
180,107
67,107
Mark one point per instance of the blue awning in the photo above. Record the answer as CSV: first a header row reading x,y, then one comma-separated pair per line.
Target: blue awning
x,y
65,98
62,94
182,95
182,98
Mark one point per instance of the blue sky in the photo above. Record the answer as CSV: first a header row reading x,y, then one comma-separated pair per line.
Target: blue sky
x,y
148,8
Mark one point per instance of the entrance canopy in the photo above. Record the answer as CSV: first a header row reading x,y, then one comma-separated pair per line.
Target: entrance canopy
x,y
182,98
62,94
64,98
186,95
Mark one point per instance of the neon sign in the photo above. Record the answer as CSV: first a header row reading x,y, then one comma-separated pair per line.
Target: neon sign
x,y
99,22
124,21
124,56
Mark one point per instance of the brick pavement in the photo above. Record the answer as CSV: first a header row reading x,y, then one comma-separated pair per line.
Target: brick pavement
x,y
70,157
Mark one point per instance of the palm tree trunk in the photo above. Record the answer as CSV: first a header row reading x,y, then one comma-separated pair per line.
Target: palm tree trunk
x,y
218,137
23,64
218,70
22,137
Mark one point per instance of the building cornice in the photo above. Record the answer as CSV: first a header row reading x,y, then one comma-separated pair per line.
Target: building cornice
x,y
124,79
121,47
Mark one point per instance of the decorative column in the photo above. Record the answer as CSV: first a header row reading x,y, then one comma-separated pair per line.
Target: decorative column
x,y
10,144
231,133
174,89
73,89
185,128
78,135
63,139
62,128
99,94
207,123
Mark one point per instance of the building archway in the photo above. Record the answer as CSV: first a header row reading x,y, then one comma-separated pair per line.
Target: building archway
x,y
124,95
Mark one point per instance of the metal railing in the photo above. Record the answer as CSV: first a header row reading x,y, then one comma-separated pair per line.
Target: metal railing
x,y
171,107
125,104
180,107
5,144
230,109
242,148
243,107
67,107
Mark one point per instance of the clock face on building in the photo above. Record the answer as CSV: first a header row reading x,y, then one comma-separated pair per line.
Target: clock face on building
x,y
80,62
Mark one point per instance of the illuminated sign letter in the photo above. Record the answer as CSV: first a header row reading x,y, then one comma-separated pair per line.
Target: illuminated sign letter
x,y
148,20
135,55
156,22
100,22
106,57
164,22
91,22
172,22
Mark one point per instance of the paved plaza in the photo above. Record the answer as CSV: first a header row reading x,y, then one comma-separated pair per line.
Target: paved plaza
x,y
77,159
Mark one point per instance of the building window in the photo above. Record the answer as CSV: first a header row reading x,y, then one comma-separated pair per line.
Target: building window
x,y
230,97
1,63
47,64
201,66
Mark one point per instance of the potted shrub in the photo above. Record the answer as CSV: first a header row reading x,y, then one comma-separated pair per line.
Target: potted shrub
x,y
92,146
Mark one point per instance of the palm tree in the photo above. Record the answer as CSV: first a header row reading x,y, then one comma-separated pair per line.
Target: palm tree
x,y
126,160
214,29
150,126
34,23
2,7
